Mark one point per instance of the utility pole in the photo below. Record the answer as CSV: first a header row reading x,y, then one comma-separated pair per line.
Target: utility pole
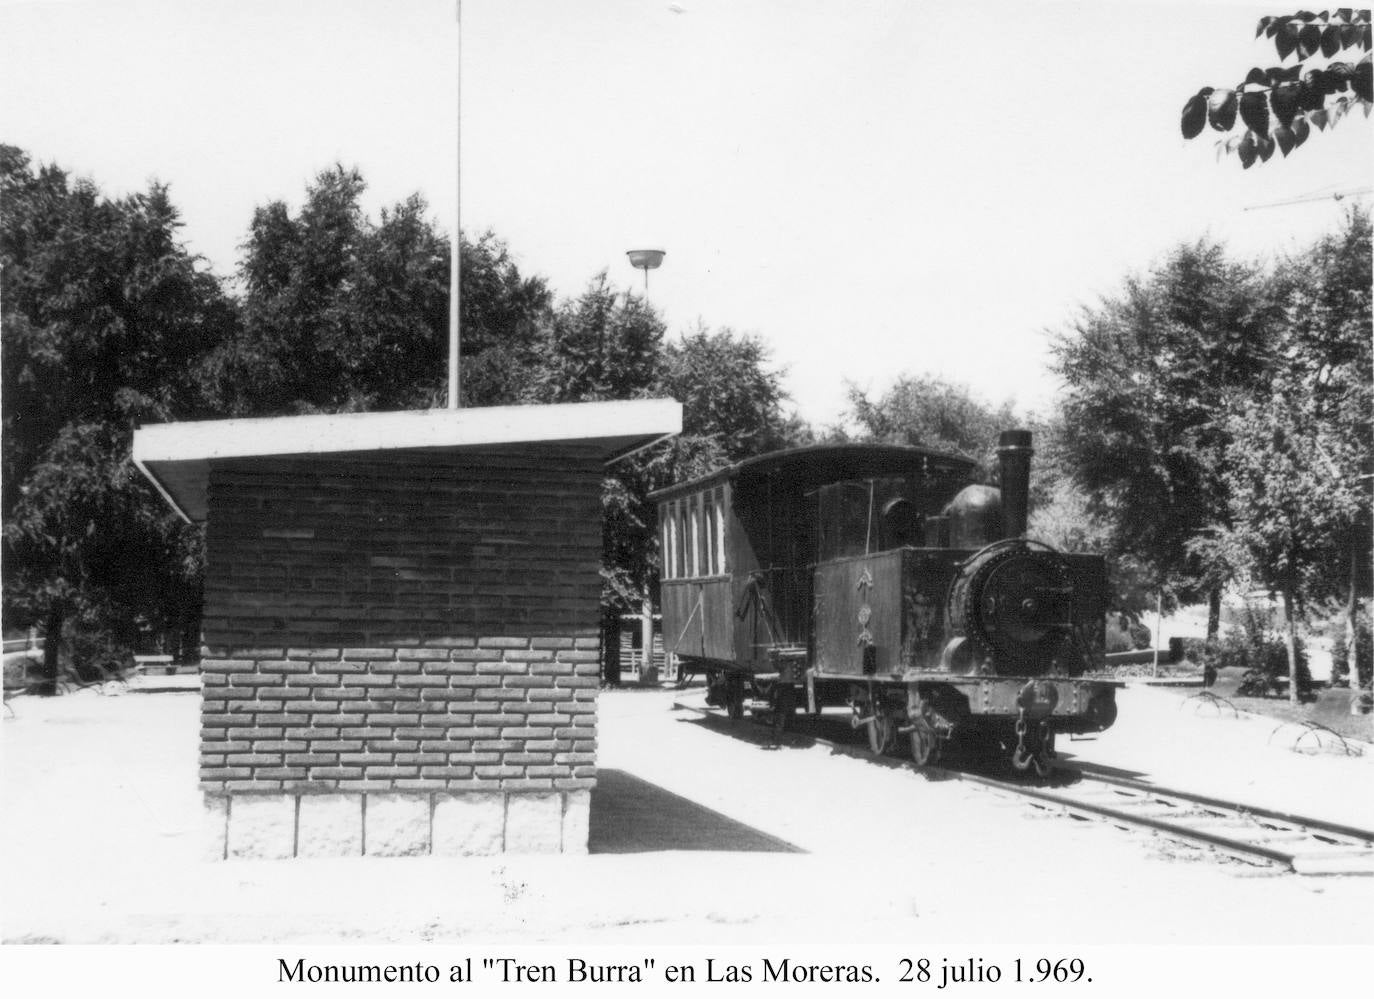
x,y
456,263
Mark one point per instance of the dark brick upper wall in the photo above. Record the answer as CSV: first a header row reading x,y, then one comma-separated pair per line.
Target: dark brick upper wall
x,y
402,548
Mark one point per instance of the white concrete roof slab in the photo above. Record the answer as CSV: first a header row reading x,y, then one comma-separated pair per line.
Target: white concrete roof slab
x,y
176,457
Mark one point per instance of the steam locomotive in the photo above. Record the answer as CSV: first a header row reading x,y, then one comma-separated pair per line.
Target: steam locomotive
x,y
885,578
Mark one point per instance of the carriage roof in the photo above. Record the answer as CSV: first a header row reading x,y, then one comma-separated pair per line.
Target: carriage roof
x,y
818,464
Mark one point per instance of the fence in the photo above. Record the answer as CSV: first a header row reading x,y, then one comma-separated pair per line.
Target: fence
x,y
632,651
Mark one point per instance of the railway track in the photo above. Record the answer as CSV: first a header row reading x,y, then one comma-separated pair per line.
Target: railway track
x,y
1252,834
1299,843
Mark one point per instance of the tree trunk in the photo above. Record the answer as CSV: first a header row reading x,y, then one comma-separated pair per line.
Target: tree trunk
x,y
1291,643
52,645
647,673
1352,606
610,647
1213,614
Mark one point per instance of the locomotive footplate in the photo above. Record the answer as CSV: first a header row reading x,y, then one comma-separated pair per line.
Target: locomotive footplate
x,y
1038,698
1068,704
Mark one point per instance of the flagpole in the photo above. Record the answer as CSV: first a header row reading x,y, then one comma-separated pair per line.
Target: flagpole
x,y
455,267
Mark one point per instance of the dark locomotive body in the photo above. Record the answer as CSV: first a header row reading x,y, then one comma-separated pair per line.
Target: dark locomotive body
x,y
885,578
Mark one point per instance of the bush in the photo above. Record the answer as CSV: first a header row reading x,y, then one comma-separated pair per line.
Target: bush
x,y
18,670
97,640
1125,635
1257,647
95,654
1195,650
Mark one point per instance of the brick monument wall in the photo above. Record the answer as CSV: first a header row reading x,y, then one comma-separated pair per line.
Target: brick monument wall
x,y
402,652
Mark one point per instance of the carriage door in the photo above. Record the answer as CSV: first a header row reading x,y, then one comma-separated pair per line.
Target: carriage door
x,y
695,588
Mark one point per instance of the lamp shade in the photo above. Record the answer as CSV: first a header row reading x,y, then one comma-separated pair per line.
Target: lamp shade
x,y
645,260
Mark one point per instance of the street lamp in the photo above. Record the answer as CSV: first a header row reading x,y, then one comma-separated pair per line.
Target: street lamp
x,y
645,260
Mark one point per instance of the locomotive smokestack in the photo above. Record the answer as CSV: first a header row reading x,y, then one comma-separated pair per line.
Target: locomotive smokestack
x,y
1014,453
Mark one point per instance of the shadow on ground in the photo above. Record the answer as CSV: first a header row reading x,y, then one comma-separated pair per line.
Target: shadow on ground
x,y
834,731
1072,764
630,815
804,731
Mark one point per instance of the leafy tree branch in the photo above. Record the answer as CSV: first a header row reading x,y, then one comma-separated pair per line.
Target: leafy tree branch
x,y
1278,107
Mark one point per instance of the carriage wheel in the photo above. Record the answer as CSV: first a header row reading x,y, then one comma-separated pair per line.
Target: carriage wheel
x,y
880,732
784,703
734,698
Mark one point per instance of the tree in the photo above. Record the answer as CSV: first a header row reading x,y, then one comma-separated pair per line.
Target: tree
x,y
931,412
729,395
1328,357
1293,495
1147,377
604,344
345,314
1278,107
104,316
505,316
338,314
1064,516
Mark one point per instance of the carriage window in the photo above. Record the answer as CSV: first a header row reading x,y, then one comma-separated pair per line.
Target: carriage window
x,y
680,540
665,538
704,516
704,566
694,518
693,535
720,530
673,553
709,513
669,540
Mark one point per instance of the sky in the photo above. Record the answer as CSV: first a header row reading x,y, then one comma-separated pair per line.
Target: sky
x,y
874,188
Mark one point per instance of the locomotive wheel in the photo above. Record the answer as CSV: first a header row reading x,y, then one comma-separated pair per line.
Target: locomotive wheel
x,y
784,703
925,745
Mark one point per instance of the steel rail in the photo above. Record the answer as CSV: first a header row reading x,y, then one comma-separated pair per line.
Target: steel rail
x,y
1235,847
1312,854
1306,821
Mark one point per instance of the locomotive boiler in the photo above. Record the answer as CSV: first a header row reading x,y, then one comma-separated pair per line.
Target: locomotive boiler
x,y
885,578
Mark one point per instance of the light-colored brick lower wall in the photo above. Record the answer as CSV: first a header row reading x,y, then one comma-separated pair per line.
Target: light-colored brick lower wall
x,y
268,826
494,713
